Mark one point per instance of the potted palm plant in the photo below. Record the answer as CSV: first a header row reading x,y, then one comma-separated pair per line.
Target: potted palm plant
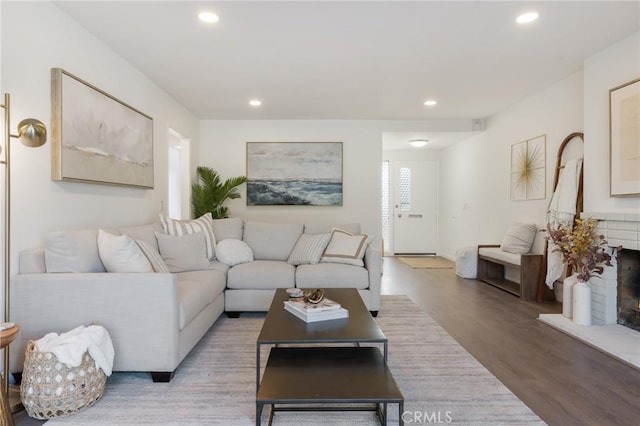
x,y
210,193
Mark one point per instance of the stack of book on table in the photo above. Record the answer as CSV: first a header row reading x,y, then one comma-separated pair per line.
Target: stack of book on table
x,y
326,309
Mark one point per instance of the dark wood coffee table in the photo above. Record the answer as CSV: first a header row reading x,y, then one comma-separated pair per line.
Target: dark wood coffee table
x,y
306,376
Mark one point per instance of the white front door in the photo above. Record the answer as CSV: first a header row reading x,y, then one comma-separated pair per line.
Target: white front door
x,y
415,219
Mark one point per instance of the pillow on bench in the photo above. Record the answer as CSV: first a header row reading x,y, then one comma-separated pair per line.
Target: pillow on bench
x,y
519,238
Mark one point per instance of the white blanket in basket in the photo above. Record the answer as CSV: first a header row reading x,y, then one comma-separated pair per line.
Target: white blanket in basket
x,y
69,347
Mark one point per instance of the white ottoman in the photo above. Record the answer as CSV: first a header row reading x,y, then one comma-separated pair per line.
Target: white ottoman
x,y
467,262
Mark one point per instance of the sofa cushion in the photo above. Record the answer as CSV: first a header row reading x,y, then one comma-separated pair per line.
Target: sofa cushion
x,y
72,251
496,253
331,275
271,241
315,228
219,266
345,247
184,252
261,275
309,248
32,261
153,256
202,224
519,238
119,253
145,233
233,252
228,228
197,289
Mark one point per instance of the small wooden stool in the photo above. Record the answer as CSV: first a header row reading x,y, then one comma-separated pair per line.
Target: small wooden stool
x,y
6,416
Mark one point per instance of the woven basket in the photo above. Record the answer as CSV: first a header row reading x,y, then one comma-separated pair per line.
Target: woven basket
x,y
51,389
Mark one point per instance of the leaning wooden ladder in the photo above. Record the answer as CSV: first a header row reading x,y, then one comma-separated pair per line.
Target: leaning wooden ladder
x,y
542,287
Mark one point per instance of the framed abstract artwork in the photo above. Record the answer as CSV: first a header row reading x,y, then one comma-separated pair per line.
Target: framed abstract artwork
x,y
97,138
624,111
294,173
528,169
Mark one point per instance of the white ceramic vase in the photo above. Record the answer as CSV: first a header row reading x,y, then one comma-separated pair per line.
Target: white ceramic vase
x,y
582,303
567,295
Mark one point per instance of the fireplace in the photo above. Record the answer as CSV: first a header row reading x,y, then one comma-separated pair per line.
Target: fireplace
x,y
629,288
620,229
608,332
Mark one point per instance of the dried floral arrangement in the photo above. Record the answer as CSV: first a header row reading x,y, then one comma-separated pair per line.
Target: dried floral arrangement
x,y
586,252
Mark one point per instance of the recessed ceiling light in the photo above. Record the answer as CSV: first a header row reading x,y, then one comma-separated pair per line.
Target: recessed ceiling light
x,y
430,102
208,17
255,102
525,18
418,143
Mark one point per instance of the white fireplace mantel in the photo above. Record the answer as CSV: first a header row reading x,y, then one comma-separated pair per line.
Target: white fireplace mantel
x,y
619,229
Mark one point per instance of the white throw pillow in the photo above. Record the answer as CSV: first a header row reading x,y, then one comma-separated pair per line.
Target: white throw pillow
x,y
345,248
233,252
120,253
202,224
519,238
309,248
183,253
157,262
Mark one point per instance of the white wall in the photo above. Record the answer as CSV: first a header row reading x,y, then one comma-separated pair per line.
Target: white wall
x,y
223,147
410,154
475,205
616,65
37,36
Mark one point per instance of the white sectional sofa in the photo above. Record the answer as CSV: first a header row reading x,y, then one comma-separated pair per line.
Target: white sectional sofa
x,y
251,285
156,318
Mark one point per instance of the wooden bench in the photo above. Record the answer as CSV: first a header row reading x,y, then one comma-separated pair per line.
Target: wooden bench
x,y
491,269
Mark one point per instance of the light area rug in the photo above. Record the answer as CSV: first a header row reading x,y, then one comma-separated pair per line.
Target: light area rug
x,y
215,384
427,262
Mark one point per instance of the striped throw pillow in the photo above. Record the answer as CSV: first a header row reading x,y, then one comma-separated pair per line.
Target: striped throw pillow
x,y
183,227
157,262
309,248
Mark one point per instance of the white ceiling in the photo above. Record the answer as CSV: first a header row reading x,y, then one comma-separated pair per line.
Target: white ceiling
x,y
435,140
354,60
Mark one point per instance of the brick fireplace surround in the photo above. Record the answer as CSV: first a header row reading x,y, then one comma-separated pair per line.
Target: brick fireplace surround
x,y
605,334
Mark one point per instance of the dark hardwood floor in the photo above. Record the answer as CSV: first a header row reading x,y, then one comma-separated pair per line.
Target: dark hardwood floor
x,y
561,379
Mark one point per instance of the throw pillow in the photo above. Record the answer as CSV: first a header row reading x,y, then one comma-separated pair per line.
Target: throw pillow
x,y
184,252
309,248
233,252
120,253
183,227
72,251
345,248
157,263
519,238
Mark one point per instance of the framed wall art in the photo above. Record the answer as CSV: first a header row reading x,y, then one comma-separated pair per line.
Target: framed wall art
x,y
528,169
96,137
294,173
624,111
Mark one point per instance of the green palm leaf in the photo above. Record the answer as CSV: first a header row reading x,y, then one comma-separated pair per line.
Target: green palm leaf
x,y
210,193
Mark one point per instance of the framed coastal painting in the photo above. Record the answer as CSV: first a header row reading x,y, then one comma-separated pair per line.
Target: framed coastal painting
x,y
97,138
294,173
528,169
624,109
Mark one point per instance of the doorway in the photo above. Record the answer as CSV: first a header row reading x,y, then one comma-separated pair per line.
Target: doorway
x,y
414,208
